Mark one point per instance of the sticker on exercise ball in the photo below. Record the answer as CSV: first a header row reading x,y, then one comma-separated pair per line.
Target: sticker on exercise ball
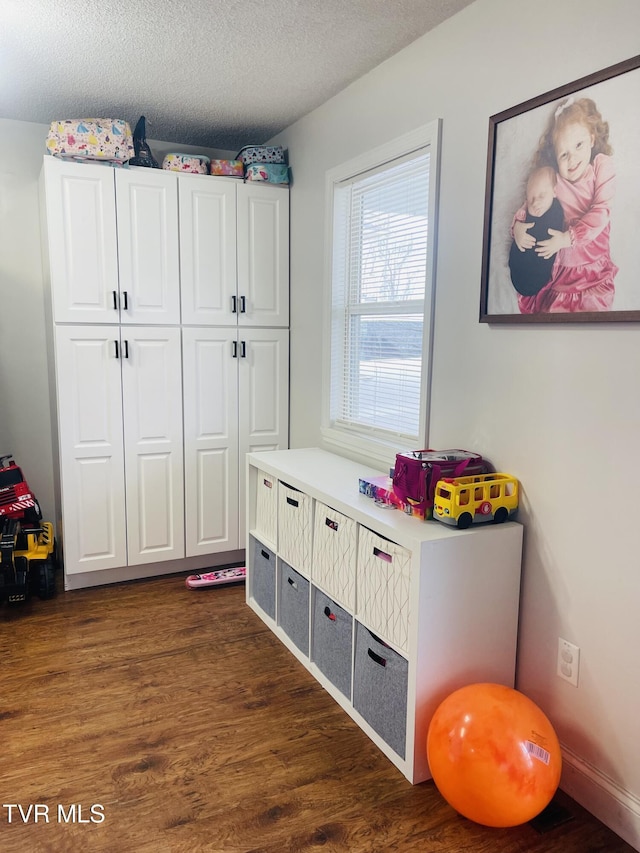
x,y
537,752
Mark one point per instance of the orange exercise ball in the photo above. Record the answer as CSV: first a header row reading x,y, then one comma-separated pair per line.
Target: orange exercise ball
x,y
493,755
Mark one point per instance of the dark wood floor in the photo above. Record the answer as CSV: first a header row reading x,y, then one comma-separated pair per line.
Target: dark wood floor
x,y
194,729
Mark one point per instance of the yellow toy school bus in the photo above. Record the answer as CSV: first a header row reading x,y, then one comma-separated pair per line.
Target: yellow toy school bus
x,y
463,501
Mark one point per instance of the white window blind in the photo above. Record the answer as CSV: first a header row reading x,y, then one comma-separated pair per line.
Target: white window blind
x,y
379,280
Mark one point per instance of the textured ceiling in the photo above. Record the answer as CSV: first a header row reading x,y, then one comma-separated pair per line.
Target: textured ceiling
x,y
203,72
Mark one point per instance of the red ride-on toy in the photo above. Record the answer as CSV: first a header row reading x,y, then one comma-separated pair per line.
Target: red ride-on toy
x,y
28,558
16,498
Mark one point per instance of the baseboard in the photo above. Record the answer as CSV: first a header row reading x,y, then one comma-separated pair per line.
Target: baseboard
x,y
616,807
82,580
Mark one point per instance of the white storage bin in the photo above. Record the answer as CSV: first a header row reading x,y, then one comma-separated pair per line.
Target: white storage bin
x,y
294,528
334,554
383,584
267,506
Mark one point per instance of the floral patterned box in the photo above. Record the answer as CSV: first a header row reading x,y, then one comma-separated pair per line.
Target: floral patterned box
x,y
105,139
230,168
197,164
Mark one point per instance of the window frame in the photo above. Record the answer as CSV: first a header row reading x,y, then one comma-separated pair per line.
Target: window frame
x,y
367,443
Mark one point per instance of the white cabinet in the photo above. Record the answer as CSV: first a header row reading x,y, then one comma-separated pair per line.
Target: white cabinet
x,y
112,243
391,614
169,300
120,433
148,253
235,401
234,253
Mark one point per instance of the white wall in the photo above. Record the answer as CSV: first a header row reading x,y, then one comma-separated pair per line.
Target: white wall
x,y
556,405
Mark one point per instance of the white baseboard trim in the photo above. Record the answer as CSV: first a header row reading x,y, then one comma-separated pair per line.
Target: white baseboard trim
x,y
83,580
616,807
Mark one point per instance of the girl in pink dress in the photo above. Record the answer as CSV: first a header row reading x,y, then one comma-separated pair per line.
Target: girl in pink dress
x,y
576,144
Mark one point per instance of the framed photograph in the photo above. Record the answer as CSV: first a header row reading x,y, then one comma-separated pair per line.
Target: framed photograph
x,y
562,205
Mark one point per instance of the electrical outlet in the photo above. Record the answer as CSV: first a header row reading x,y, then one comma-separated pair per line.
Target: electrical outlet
x,y
568,661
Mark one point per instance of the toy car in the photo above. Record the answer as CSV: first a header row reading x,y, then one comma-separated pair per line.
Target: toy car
x,y
28,561
463,501
16,498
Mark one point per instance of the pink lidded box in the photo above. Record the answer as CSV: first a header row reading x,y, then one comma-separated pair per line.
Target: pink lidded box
x,y
230,168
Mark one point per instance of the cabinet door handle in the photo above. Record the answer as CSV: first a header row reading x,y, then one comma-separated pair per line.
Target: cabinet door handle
x,y
126,302
117,349
243,349
234,349
243,305
115,300
234,304
126,349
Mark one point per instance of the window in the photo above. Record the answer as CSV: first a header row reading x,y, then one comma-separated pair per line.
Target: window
x,y
382,211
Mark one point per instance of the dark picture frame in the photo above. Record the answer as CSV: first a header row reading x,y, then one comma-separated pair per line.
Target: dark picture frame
x,y
590,270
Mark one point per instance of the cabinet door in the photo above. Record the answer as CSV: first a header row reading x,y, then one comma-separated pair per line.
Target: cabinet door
x,y
208,250
211,440
152,402
263,255
83,255
91,448
263,404
147,206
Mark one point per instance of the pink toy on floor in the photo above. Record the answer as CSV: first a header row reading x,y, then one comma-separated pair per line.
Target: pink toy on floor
x,y
234,575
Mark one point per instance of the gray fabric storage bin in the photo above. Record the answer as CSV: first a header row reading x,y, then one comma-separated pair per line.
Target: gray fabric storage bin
x,y
293,609
331,640
380,688
263,577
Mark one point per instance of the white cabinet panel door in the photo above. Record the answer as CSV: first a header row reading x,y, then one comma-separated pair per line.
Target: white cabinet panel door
x,y
83,256
210,358
152,398
263,255
147,206
264,396
208,250
91,448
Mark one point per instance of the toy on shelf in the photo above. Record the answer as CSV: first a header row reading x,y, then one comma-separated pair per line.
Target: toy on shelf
x,y
416,473
463,501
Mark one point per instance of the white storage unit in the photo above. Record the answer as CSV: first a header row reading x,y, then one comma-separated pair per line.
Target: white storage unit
x,y
421,610
168,298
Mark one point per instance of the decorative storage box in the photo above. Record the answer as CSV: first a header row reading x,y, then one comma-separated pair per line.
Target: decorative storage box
x,y
380,682
293,606
272,173
263,577
383,583
198,165
334,554
267,506
106,139
331,641
230,168
294,528
261,154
